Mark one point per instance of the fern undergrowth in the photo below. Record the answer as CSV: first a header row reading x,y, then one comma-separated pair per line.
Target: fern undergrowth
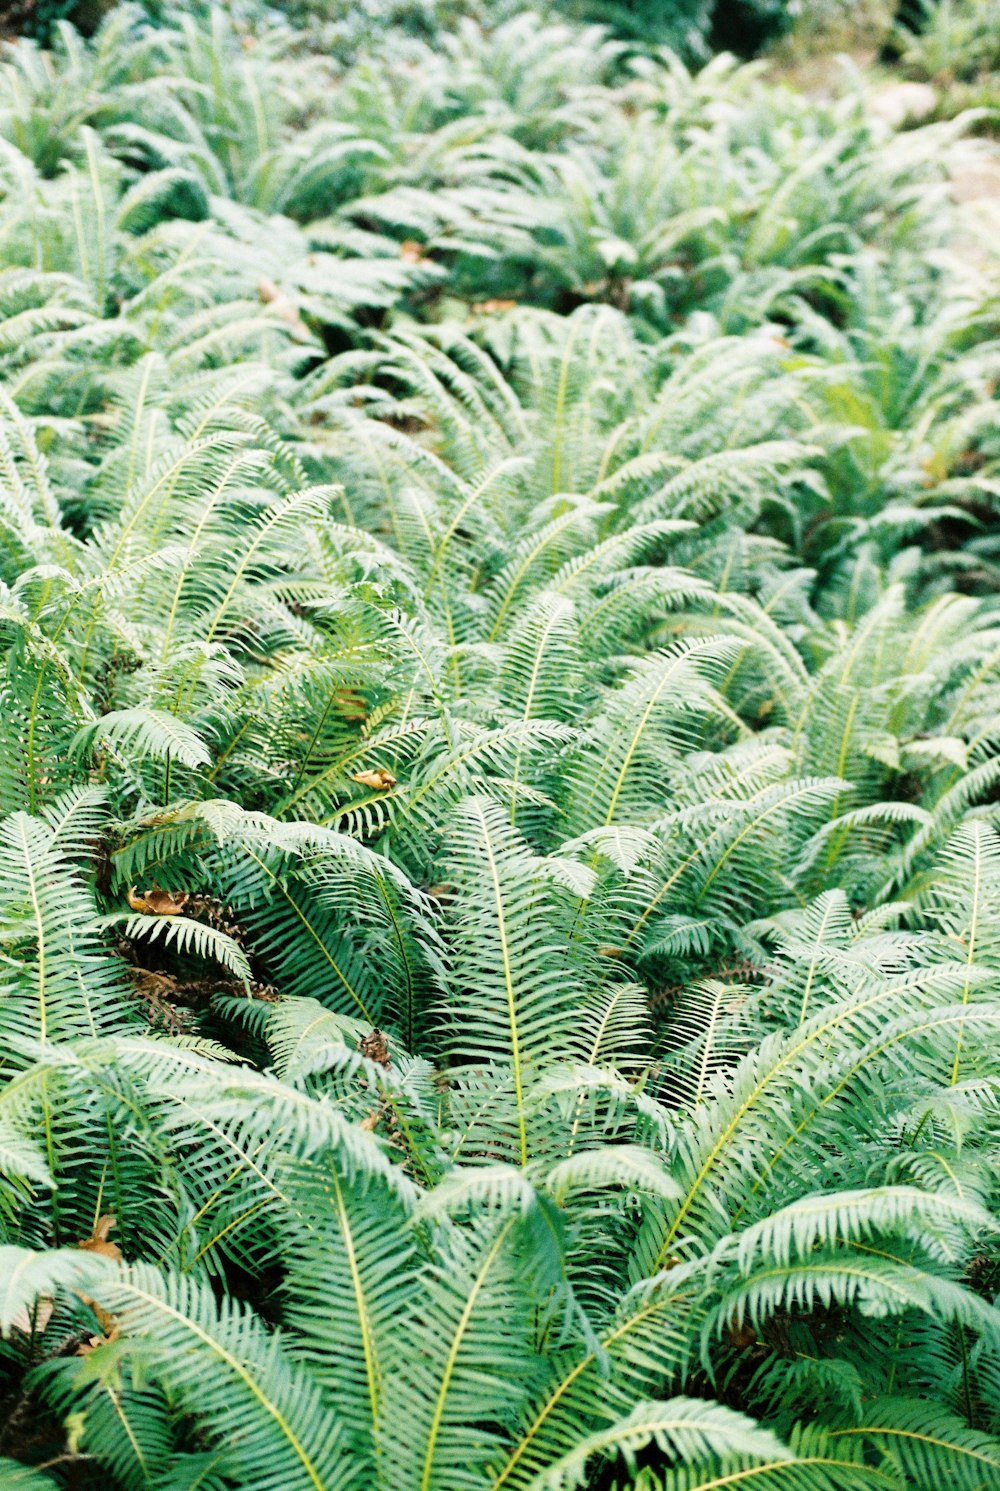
x,y
500,773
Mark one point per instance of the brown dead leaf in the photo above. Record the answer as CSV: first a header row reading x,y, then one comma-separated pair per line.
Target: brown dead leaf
x,y
411,251
740,1336
36,1316
98,1241
351,704
494,307
158,902
92,1342
380,779
375,1046
104,1319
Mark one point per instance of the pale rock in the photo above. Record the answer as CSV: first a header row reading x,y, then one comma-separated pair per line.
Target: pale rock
x,y
902,103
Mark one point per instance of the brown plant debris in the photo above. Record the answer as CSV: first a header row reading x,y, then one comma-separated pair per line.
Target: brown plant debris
x,y
379,779
375,1046
158,902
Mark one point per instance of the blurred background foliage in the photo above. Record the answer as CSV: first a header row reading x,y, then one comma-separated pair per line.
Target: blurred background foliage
x,y
692,27
952,43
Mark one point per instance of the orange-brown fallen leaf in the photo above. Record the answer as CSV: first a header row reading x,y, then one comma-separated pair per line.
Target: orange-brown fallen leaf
x,y
375,1046
411,251
36,1316
158,902
98,1241
380,779
351,704
92,1342
741,1336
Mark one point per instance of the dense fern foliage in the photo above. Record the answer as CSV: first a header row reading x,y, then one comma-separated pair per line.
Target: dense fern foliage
x,y
500,740
688,26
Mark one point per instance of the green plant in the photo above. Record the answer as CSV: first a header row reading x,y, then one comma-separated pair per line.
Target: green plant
x,y
952,41
499,856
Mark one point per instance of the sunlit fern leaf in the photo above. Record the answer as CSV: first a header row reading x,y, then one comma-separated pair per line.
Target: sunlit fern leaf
x,y
813,1221
643,727
927,1444
706,1033
61,981
466,1358
219,1363
878,1287
348,1285
144,732
28,1274
509,956
183,934
686,1429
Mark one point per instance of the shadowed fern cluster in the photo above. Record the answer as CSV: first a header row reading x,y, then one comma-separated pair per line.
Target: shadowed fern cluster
x,y
499,765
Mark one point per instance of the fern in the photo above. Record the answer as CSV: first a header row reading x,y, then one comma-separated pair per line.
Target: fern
x,y
499,671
